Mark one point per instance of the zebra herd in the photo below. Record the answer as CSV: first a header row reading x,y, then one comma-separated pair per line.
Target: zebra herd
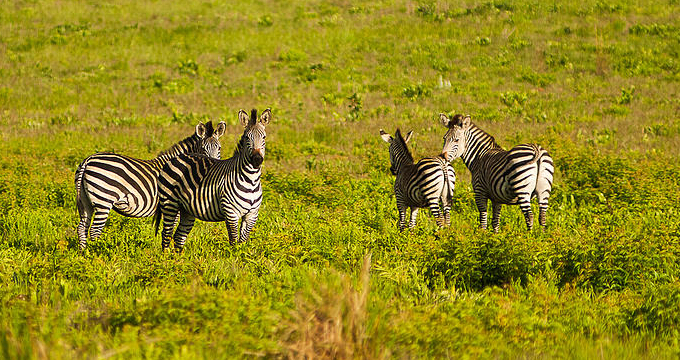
x,y
189,181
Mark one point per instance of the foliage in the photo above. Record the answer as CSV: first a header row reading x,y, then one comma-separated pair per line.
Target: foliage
x,y
326,273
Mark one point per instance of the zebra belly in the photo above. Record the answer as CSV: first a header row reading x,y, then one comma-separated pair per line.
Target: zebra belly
x,y
128,205
204,210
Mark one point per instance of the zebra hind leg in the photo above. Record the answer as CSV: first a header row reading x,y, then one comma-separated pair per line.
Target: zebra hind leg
x,y
446,205
85,210
186,223
496,220
101,214
543,209
170,215
525,206
402,217
436,211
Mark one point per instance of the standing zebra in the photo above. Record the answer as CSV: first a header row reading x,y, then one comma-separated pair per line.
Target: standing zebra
x,y
215,190
509,177
106,181
419,185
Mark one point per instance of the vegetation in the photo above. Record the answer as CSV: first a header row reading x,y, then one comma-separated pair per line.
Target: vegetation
x,y
326,273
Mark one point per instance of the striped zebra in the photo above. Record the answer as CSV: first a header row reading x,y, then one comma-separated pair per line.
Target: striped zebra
x,y
215,190
106,181
509,177
424,184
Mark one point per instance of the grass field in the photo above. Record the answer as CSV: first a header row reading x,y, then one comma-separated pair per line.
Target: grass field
x,y
326,273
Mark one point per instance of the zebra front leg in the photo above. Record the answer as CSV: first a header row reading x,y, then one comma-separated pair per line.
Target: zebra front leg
x,y
247,222
186,223
101,214
481,201
496,221
232,227
414,215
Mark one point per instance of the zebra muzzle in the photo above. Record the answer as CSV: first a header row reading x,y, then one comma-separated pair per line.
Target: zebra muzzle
x,y
256,158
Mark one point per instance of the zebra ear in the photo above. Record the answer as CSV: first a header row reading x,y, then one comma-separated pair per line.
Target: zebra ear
x,y
466,122
408,136
385,136
200,130
220,130
444,119
243,117
266,116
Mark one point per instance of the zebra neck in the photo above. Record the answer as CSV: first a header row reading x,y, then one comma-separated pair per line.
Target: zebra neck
x,y
243,163
185,146
402,162
402,156
478,143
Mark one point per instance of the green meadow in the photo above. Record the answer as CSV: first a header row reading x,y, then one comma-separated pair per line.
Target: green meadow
x,y
326,273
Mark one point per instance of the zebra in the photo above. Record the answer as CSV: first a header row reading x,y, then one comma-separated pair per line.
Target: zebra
x,y
424,184
106,181
228,190
511,177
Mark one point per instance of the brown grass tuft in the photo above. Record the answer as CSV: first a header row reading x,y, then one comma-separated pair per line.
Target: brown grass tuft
x,y
330,321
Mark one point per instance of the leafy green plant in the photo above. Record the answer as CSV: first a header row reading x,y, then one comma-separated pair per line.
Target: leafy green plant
x,y
415,91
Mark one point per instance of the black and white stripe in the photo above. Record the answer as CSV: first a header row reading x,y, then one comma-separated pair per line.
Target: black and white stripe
x,y
215,190
511,177
106,181
420,185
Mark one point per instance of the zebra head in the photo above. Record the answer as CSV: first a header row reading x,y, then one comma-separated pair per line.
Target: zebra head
x,y
209,139
252,141
454,139
399,153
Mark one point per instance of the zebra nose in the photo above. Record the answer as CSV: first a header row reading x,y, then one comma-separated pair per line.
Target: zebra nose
x,y
445,155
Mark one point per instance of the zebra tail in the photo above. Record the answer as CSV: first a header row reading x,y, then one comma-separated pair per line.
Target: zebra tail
x,y
80,172
157,220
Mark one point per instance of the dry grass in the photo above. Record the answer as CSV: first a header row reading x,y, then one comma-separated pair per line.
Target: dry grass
x,y
330,321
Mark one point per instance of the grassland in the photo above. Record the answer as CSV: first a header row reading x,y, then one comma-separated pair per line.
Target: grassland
x,y
326,273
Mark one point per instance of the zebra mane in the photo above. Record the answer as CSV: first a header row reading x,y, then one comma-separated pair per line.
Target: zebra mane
x,y
486,136
189,143
399,139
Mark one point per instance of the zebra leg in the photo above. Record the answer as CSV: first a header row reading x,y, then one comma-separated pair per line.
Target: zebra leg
x,y
402,217
101,214
232,227
247,222
496,221
525,206
186,222
446,205
85,210
414,215
433,204
543,209
170,214
481,201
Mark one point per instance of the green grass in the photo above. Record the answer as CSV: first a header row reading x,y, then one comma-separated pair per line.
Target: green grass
x,y
326,273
